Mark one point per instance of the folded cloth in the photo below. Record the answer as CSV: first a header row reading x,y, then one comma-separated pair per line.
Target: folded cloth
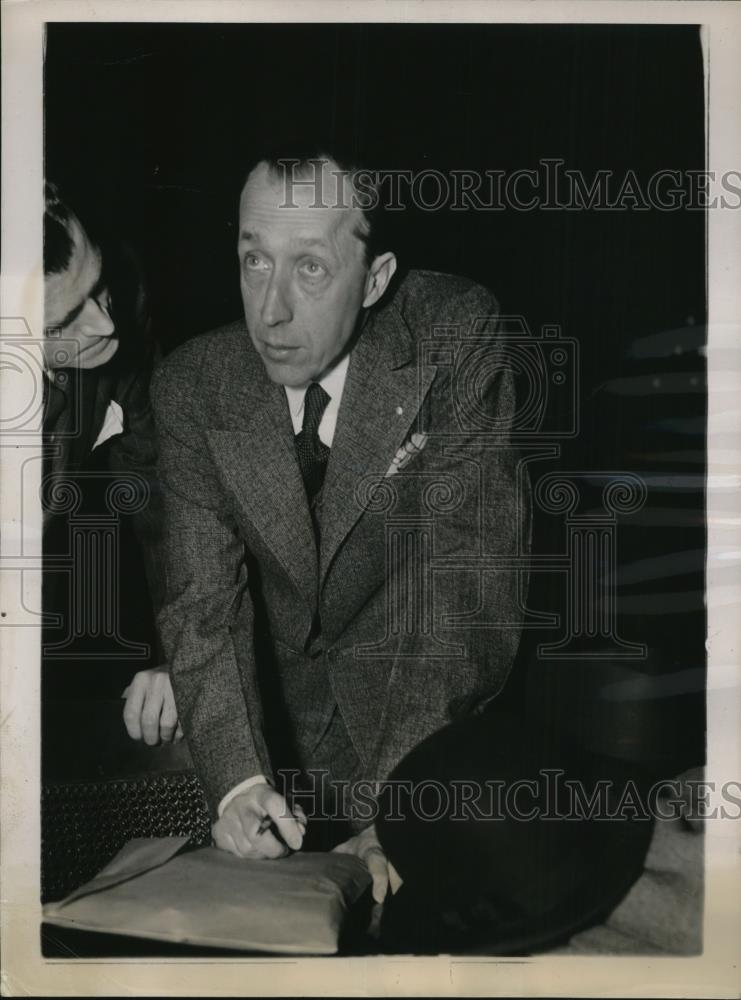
x,y
294,905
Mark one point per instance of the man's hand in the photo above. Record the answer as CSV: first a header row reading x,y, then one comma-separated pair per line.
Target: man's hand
x,y
150,713
244,827
365,846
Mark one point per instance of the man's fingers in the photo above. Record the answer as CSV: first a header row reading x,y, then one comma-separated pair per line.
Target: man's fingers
x,y
168,721
226,843
256,826
133,707
256,821
245,831
241,840
230,835
178,734
169,717
395,880
150,712
268,845
287,825
151,716
366,847
223,838
374,925
167,731
375,859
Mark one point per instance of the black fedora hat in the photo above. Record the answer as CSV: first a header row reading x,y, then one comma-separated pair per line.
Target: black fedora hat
x,y
509,837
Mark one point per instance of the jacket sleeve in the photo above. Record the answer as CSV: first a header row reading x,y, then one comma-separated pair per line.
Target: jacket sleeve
x,y
207,608
423,695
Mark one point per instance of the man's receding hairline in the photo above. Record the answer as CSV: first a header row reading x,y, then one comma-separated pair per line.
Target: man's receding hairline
x,y
360,224
302,169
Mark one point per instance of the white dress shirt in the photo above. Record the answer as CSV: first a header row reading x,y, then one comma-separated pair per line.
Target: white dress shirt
x,y
333,384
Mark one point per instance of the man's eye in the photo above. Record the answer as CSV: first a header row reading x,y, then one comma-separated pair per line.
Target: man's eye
x,y
313,269
253,262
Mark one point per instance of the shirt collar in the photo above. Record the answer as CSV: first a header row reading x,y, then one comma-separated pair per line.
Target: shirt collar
x,y
333,383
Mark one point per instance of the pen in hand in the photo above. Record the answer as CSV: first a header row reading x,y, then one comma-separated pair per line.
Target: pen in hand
x,y
267,822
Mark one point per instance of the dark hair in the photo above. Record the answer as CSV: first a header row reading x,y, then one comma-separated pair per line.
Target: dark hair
x,y
57,240
300,160
122,273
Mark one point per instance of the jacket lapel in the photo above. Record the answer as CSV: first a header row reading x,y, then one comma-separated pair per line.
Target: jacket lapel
x,y
85,410
383,392
259,459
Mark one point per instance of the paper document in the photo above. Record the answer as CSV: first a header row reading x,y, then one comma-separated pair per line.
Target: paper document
x,y
154,889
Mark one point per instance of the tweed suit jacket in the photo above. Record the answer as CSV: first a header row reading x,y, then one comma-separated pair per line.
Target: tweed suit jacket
x,y
398,579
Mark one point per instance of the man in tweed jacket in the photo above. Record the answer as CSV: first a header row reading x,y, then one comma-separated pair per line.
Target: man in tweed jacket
x,y
317,637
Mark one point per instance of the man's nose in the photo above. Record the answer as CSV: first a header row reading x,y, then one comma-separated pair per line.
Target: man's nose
x,y
276,306
95,320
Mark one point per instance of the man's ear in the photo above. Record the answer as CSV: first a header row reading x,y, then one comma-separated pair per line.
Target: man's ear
x,y
380,274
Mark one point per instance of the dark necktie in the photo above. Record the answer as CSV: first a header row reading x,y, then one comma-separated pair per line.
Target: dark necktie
x,y
312,454
312,459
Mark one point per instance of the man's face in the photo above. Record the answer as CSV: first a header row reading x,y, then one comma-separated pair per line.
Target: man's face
x,y
77,321
303,275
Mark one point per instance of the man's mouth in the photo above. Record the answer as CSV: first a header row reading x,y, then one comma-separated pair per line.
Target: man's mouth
x,y
278,352
101,350
97,344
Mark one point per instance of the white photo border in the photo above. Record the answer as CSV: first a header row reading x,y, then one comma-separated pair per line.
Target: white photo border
x,y
714,973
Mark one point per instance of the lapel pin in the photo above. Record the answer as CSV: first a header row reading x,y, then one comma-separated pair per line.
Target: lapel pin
x,y
399,410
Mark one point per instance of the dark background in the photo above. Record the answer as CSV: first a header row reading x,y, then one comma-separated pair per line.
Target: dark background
x,y
149,128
